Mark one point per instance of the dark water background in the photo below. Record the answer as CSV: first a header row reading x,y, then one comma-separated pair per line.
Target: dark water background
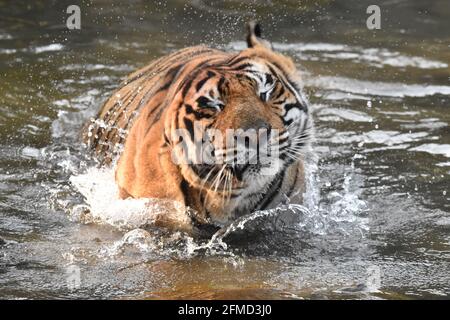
x,y
379,221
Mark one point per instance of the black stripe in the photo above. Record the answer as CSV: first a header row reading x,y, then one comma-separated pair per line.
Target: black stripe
x,y
256,74
174,70
273,191
289,106
236,60
279,102
154,109
194,73
186,87
280,93
200,84
190,110
203,81
189,126
278,67
303,104
184,187
200,114
160,109
164,62
283,140
165,86
242,66
157,116
272,69
220,85
166,139
171,77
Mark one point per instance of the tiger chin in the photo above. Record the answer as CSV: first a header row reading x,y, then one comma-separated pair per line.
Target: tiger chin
x,y
197,90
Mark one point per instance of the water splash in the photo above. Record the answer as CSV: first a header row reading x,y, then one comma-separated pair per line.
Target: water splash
x,y
342,215
102,199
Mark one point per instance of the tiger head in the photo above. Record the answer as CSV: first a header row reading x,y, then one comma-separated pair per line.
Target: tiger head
x,y
252,98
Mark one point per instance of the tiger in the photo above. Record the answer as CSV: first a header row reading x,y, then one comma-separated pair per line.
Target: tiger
x,y
194,90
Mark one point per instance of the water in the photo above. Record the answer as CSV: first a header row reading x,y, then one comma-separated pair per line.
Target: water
x,y
376,219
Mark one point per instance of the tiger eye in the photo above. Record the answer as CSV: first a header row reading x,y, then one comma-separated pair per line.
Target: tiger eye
x,y
203,102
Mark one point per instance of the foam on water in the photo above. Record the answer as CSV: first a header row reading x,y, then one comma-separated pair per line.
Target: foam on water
x,y
434,148
378,57
343,114
7,51
343,216
389,138
48,48
372,88
5,36
104,205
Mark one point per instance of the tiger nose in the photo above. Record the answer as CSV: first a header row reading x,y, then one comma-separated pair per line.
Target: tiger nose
x,y
258,139
261,126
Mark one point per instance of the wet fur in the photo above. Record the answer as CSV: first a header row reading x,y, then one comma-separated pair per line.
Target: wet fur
x,y
155,100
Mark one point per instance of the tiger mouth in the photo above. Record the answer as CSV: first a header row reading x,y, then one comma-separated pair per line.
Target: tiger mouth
x,y
230,171
209,172
227,177
240,170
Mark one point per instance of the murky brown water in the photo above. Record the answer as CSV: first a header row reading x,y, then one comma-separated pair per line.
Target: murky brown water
x,y
379,216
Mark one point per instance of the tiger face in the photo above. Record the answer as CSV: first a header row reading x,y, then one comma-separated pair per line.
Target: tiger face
x,y
260,115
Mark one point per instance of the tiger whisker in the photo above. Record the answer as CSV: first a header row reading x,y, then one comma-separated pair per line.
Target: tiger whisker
x,y
230,184
219,178
222,196
225,191
294,155
296,149
291,156
206,178
205,200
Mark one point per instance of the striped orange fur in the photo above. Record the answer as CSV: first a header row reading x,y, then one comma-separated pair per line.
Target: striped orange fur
x,y
256,88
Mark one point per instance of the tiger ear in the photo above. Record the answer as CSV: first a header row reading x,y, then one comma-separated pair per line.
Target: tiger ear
x,y
254,39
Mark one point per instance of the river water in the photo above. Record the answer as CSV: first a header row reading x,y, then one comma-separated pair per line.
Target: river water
x,y
376,221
